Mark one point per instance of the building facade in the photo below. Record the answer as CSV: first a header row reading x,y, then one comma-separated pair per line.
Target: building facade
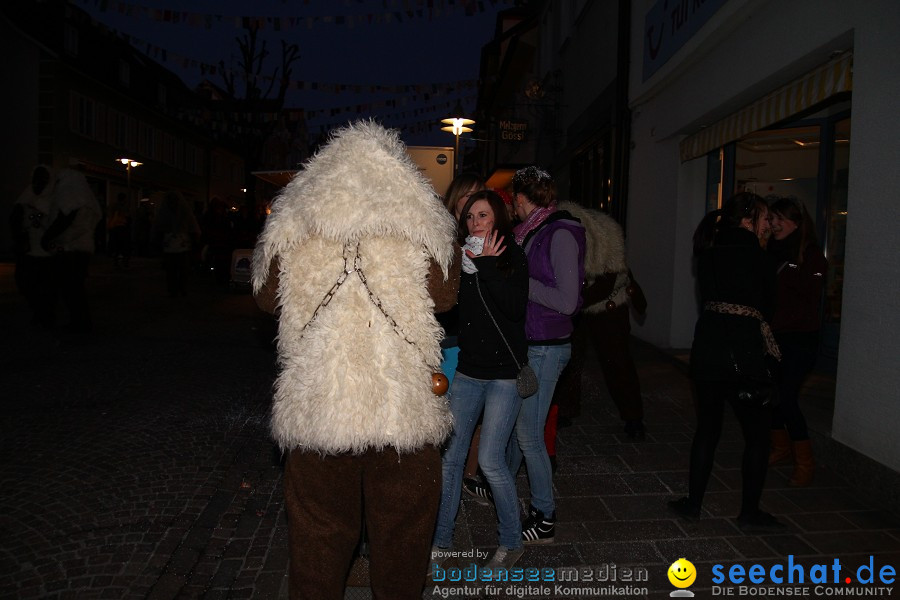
x,y
84,97
665,108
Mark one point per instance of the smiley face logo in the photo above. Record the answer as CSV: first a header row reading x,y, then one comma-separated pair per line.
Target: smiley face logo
x,y
682,573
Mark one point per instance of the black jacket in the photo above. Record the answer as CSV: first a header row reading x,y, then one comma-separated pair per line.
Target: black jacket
x,y
738,271
482,352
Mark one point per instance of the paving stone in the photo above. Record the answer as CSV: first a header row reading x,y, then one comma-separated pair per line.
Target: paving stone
x,y
154,507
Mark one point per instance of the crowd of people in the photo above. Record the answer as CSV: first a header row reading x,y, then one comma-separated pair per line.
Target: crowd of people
x,y
57,226
378,286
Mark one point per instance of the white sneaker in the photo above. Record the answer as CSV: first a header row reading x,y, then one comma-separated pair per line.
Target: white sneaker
x,y
504,558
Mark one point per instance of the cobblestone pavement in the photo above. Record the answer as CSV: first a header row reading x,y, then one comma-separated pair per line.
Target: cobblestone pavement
x,y
136,461
137,464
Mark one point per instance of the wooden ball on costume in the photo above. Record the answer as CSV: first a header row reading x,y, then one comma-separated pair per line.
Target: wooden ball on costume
x,y
439,384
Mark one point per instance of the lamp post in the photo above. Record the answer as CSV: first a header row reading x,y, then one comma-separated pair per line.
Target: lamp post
x,y
130,164
457,125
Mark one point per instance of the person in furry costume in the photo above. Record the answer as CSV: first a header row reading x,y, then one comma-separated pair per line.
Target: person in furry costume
x,y
605,322
32,214
71,239
358,254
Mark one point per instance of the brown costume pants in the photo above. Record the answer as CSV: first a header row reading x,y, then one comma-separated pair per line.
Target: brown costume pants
x,y
324,500
608,332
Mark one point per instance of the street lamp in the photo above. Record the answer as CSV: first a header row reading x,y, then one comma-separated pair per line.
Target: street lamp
x,y
129,163
457,125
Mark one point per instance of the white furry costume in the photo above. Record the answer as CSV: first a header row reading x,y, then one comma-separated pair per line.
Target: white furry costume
x,y
349,381
605,251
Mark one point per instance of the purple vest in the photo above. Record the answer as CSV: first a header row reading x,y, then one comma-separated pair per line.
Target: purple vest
x,y
542,323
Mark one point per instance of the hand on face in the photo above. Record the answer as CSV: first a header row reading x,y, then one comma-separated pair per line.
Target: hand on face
x,y
493,246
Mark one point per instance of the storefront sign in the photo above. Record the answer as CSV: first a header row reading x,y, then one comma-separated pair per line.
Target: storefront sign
x,y
513,131
669,24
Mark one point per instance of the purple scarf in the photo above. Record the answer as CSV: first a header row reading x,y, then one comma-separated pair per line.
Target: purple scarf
x,y
532,222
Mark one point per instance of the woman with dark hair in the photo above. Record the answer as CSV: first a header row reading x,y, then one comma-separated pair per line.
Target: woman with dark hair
x,y
801,267
493,292
554,242
460,190
737,292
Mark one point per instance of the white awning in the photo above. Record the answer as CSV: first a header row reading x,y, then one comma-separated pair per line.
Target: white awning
x,y
819,84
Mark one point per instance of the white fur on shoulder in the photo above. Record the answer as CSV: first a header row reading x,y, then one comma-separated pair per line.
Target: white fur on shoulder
x,y
605,252
361,184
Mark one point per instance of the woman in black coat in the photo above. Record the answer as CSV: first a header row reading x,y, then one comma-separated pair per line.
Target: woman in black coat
x,y
737,292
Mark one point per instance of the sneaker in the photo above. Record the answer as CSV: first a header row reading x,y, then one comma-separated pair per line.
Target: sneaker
x,y
537,528
684,507
504,558
479,491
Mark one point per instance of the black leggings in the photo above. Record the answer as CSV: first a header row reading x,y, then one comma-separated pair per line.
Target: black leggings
x,y
799,352
754,421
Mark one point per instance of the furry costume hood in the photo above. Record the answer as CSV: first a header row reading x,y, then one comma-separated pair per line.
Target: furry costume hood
x,y
605,248
355,234
333,197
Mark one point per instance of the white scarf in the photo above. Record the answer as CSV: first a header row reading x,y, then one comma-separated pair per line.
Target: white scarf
x,y
475,245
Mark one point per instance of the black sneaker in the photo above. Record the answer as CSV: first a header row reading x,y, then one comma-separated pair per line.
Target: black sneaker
x,y
759,521
684,507
634,429
479,491
537,528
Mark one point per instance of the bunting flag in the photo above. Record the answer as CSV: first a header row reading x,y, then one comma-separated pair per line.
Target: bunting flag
x,y
444,8
186,62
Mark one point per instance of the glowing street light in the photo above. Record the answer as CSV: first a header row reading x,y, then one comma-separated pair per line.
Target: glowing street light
x,y
457,125
130,164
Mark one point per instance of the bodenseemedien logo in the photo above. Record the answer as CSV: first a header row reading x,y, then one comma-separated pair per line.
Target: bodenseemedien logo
x,y
682,575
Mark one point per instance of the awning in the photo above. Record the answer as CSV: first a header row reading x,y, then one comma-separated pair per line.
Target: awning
x,y
819,84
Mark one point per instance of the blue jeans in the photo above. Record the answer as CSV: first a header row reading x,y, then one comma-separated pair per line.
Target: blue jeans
x,y
500,402
528,438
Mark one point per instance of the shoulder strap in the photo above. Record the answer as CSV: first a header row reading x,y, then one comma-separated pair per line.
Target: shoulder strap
x,y
502,337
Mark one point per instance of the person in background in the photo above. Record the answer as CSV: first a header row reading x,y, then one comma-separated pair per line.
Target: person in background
x,y
605,323
801,266
218,239
71,239
554,243
493,293
459,191
737,291
356,255
177,231
118,225
32,214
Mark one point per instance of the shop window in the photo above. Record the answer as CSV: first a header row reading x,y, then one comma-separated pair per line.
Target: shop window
x,y
590,179
780,162
836,221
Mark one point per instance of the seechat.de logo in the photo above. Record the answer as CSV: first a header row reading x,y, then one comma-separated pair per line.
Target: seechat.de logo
x,y
682,575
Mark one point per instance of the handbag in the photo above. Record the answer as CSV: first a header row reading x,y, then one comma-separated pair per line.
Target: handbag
x,y
526,380
756,387
756,372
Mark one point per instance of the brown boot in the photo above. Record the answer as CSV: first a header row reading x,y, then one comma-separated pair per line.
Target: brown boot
x,y
803,464
781,446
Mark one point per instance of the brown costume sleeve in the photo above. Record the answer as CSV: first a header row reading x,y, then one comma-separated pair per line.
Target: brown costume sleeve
x,y
267,296
444,292
599,290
